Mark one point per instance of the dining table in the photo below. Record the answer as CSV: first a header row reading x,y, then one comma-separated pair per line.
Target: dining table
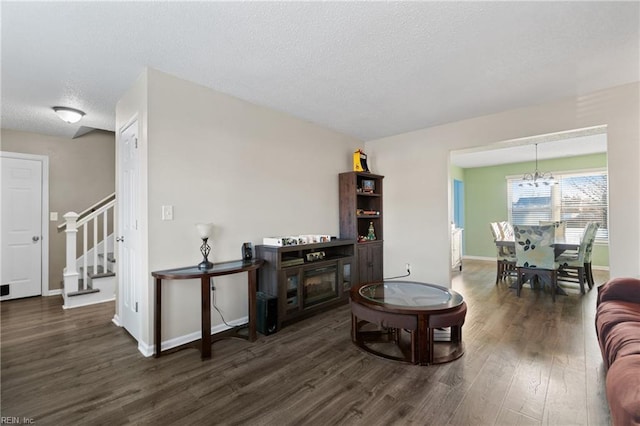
x,y
560,245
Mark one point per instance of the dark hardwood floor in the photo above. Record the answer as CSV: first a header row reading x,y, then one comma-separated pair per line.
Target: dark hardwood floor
x,y
527,361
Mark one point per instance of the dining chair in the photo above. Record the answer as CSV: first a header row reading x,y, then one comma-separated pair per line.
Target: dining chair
x,y
535,256
505,258
573,266
559,226
507,230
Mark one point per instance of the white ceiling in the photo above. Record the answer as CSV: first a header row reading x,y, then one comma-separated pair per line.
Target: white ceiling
x,y
367,69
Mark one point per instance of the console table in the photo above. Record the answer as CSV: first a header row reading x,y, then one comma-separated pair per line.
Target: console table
x,y
192,272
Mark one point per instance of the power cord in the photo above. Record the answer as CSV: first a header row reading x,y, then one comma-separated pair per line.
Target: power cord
x,y
399,276
213,301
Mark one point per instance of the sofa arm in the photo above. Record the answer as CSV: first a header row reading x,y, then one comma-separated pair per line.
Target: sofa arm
x,y
623,391
627,289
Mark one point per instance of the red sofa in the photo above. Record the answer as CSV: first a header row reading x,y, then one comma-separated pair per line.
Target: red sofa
x,y
618,330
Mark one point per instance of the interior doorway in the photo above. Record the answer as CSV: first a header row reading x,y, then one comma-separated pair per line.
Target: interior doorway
x,y
488,173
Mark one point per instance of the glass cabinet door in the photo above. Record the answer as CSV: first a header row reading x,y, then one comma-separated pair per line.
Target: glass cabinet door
x,y
347,274
292,289
346,277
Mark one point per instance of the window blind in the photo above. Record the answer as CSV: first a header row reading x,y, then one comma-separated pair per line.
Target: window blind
x,y
578,198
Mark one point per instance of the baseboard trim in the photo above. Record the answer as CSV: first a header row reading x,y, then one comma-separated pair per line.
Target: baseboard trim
x,y
484,258
116,320
54,292
88,303
149,350
146,349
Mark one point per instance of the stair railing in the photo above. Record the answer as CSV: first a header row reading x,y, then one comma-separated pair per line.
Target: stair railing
x,y
83,222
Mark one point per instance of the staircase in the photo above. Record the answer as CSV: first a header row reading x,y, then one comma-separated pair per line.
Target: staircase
x,y
91,277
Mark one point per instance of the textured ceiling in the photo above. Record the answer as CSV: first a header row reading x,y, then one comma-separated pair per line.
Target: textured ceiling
x,y
365,69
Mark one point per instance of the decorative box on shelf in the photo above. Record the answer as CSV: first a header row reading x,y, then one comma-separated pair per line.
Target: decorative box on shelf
x,y
296,240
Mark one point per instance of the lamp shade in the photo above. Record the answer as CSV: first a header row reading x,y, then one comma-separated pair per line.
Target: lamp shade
x,y
70,115
204,229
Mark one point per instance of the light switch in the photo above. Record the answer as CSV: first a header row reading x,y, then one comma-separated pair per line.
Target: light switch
x,y
53,216
167,212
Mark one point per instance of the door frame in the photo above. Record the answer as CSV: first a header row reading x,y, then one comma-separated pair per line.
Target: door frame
x,y
44,202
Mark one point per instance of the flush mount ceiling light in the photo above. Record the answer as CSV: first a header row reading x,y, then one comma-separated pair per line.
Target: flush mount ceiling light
x,y
70,115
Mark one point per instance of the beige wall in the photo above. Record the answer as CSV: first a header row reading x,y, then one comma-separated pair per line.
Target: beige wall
x,y
81,172
251,171
417,183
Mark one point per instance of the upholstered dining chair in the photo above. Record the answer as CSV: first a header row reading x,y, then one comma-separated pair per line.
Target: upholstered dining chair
x,y
535,256
573,266
507,230
559,226
505,258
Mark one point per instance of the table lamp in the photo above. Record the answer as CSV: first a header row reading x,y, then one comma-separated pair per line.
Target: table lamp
x,y
205,230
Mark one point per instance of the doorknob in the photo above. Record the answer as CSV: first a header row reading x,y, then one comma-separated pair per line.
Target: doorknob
x,y
120,239
35,238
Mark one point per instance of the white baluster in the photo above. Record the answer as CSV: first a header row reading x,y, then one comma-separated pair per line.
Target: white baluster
x,y
95,245
105,248
71,273
84,254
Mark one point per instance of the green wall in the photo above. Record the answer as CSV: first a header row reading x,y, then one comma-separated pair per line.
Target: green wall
x,y
486,199
456,173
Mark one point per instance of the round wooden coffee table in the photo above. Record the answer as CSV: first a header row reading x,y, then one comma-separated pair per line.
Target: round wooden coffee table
x,y
406,314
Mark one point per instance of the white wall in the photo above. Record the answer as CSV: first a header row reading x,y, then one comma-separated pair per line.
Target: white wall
x,y
417,184
251,171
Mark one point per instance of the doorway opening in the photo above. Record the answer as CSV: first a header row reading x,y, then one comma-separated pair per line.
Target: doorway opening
x,y
487,172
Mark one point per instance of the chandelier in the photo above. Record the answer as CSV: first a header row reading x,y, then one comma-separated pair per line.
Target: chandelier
x,y
538,178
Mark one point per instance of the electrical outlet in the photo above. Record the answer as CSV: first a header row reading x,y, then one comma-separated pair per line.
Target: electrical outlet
x,y
408,268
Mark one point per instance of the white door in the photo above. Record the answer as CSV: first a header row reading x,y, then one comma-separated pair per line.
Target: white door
x,y
128,235
21,228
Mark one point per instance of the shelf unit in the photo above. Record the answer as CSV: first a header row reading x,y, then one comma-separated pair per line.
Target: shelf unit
x,y
361,207
303,286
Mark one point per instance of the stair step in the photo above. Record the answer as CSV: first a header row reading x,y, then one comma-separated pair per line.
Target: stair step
x,y
98,272
81,292
101,274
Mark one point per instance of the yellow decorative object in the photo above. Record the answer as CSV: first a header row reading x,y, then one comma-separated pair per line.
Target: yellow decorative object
x,y
360,161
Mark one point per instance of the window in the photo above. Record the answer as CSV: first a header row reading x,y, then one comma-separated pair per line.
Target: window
x,y
577,199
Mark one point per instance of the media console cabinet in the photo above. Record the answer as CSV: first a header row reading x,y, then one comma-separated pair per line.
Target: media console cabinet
x,y
307,278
